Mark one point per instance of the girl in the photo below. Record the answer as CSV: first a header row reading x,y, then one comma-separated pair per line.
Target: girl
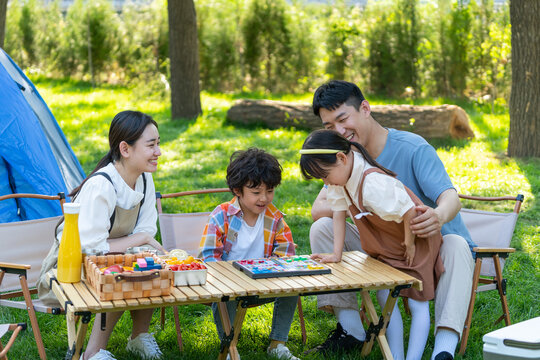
x,y
117,211
378,203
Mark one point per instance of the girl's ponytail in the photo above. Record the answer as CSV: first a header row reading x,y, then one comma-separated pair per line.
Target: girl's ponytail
x,y
362,150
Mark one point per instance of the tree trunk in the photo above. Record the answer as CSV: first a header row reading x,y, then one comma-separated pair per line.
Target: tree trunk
x,y
184,58
3,12
524,139
426,121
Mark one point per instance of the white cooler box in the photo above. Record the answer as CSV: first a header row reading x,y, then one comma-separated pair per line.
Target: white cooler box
x,y
518,341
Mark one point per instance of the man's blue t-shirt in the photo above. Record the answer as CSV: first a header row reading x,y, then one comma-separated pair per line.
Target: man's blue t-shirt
x,y
418,166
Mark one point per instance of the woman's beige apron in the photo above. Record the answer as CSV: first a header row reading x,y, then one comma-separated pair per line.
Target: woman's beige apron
x,y
383,240
123,223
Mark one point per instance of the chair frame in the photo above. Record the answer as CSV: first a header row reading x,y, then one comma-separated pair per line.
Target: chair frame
x,y
16,328
21,270
489,283
160,196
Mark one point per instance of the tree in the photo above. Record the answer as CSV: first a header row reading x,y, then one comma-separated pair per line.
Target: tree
x,y
524,137
184,58
3,11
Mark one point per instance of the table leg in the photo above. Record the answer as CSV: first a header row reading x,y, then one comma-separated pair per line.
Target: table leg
x,y
237,327
377,326
76,332
231,331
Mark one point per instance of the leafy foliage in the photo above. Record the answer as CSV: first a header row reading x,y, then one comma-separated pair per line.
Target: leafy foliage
x,y
393,47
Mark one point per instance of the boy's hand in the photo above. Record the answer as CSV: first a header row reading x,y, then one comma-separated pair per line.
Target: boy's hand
x,y
409,253
325,258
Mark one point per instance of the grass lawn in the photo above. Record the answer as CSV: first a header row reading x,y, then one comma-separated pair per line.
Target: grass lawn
x,y
195,155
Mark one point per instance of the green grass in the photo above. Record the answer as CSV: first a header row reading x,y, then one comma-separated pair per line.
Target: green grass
x,y
195,155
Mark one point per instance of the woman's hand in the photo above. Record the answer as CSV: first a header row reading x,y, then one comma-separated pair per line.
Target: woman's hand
x,y
326,258
156,245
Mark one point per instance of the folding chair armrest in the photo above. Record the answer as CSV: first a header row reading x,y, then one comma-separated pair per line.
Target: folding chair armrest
x,y
16,328
7,266
488,252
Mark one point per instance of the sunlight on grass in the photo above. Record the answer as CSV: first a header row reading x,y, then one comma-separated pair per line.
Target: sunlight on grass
x,y
195,155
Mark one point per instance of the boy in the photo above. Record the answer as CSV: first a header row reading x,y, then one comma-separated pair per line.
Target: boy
x,y
248,227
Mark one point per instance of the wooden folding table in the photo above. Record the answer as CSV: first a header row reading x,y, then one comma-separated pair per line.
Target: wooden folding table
x,y
356,272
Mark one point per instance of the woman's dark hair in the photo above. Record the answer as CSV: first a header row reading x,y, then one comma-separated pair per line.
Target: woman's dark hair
x,y
251,168
126,126
316,166
334,93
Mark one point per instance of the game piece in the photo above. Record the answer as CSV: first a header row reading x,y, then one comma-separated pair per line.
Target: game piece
x,y
280,266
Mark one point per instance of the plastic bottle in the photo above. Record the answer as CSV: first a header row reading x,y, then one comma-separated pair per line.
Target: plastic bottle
x,y
69,254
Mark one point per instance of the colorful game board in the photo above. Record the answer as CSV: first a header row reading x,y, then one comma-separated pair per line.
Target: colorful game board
x,y
284,266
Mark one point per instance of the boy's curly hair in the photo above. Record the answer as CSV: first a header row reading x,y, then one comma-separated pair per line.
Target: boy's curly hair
x,y
251,168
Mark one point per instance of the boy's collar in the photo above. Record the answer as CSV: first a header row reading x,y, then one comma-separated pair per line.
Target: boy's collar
x,y
234,208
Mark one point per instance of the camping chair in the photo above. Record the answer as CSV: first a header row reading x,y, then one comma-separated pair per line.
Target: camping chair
x,y
492,233
24,246
184,231
4,328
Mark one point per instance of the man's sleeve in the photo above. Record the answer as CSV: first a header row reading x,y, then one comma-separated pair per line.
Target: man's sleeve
x,y
430,172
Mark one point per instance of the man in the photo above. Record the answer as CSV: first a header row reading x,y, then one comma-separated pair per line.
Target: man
x,y
342,107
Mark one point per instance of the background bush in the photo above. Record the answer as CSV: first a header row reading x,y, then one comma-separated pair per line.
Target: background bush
x,y
391,47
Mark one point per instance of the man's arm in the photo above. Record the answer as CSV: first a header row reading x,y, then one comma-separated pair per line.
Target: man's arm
x,y
430,221
320,207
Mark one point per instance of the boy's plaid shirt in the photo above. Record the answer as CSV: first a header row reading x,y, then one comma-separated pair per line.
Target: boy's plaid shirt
x,y
221,232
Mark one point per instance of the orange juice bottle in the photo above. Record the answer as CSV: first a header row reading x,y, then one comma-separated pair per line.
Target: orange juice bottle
x,y
69,254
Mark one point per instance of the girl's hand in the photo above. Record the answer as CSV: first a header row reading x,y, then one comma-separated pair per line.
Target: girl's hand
x,y
325,258
409,253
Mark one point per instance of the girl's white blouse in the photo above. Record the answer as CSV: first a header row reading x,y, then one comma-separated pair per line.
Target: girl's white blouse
x,y
382,194
98,199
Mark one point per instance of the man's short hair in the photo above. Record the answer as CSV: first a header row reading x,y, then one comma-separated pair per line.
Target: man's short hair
x,y
334,93
251,168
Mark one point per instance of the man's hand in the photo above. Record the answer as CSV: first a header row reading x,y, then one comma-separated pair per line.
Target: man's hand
x,y
427,222
326,258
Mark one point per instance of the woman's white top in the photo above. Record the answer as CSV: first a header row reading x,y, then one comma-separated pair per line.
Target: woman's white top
x,y
382,194
250,241
98,199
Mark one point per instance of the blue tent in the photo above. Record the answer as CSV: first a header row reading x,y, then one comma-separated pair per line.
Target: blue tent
x,y
35,156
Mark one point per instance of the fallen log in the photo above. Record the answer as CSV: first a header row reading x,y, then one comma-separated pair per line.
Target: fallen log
x,y
427,121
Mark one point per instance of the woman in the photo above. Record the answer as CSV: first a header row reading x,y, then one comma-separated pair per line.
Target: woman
x,y
117,211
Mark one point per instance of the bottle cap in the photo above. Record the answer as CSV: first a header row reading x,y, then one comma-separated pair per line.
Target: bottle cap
x,y
71,208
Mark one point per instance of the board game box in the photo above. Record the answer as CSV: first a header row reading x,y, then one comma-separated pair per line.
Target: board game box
x,y
297,265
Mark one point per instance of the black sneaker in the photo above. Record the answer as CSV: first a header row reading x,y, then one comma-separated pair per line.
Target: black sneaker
x,y
338,340
444,355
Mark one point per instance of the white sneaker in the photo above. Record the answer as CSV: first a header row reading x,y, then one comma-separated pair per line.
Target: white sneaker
x,y
145,346
229,356
282,352
100,355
